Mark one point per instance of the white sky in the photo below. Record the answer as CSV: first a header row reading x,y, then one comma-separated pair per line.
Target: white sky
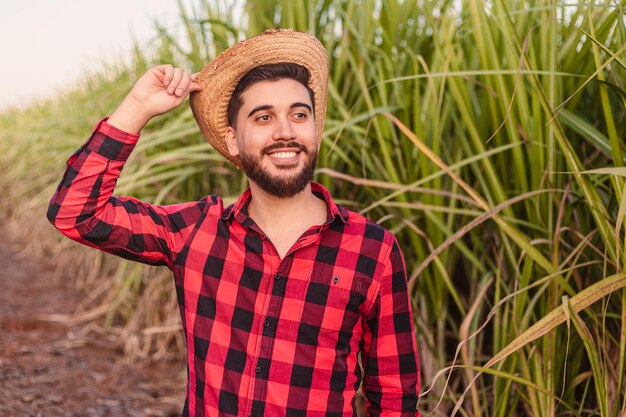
x,y
46,44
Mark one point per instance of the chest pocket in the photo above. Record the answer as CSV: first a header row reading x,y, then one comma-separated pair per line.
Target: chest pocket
x,y
332,303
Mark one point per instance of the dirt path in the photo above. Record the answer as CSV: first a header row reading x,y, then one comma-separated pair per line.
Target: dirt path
x,y
48,369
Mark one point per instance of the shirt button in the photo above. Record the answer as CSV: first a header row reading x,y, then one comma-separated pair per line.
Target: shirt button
x,y
258,369
277,277
267,323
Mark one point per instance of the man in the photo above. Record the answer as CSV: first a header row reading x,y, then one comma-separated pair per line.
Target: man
x,y
280,292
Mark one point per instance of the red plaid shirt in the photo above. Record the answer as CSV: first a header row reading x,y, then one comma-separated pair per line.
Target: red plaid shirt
x,y
265,335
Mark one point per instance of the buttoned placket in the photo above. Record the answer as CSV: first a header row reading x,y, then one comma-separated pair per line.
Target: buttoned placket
x,y
276,291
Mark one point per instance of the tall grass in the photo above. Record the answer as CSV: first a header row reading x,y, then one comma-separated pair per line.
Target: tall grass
x,y
488,136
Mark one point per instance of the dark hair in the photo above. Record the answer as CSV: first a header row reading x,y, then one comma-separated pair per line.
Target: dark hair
x,y
267,72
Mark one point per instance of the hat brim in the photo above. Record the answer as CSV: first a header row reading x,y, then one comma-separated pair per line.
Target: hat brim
x,y
220,77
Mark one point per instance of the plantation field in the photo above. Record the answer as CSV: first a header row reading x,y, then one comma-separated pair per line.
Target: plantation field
x,y
488,136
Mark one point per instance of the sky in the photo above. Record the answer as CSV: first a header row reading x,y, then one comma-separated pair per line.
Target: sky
x,y
46,44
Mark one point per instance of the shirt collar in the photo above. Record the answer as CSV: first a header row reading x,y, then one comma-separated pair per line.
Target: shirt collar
x,y
239,210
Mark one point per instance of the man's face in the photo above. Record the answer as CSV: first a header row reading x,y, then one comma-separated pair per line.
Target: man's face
x,y
275,136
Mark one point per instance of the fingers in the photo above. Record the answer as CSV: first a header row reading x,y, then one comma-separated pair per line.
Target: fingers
x,y
167,70
179,82
174,85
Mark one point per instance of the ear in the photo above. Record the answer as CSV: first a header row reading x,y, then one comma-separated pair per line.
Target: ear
x,y
231,141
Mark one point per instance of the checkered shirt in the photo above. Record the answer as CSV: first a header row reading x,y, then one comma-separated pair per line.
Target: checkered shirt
x,y
265,336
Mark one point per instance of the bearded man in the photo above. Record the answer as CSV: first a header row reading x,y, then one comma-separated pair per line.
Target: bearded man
x,y
281,292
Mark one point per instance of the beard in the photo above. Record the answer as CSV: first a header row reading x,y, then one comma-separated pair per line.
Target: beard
x,y
282,186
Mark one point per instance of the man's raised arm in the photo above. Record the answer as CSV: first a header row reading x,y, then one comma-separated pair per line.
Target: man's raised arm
x,y
83,207
158,91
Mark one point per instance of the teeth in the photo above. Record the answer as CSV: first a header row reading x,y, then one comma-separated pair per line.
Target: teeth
x,y
283,155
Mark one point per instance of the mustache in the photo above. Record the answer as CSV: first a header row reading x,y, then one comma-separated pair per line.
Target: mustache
x,y
279,145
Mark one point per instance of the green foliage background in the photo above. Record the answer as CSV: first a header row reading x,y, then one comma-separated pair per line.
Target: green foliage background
x,y
487,135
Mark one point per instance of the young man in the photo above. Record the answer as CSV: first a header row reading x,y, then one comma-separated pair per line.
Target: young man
x,y
280,292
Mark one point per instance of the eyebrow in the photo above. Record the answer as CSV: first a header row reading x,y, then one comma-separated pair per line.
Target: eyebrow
x,y
269,107
300,104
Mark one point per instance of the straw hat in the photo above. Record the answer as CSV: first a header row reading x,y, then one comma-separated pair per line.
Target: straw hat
x,y
220,77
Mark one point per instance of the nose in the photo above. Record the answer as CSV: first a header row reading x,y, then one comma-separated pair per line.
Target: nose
x,y
284,129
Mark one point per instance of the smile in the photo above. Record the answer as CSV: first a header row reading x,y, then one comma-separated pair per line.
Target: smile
x,y
283,155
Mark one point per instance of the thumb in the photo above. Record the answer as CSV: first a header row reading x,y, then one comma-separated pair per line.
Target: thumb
x,y
194,87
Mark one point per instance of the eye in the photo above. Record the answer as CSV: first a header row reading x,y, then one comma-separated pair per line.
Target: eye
x,y
263,118
300,115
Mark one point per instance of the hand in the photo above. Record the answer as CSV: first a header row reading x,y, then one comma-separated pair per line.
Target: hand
x,y
158,91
